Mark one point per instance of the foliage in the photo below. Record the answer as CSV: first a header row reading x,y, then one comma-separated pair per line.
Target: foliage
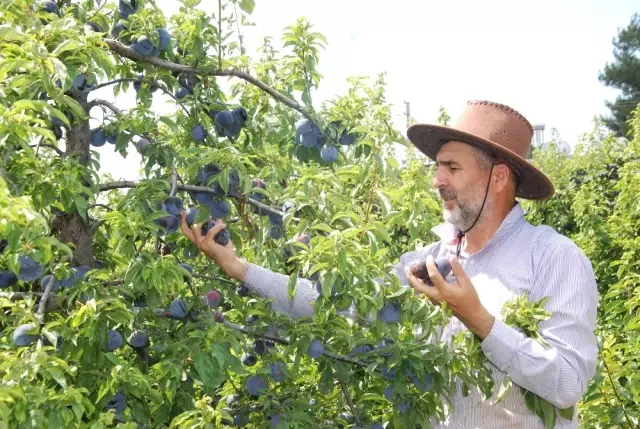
x,y
622,74
596,205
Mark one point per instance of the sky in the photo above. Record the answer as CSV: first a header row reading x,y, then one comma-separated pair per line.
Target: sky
x,y
542,58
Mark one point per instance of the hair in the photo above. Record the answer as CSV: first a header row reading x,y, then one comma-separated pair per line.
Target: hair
x,y
485,159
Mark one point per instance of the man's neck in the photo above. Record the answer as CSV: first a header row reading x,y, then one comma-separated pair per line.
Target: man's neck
x,y
482,232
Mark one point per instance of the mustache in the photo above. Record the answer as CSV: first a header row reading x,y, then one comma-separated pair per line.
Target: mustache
x,y
447,194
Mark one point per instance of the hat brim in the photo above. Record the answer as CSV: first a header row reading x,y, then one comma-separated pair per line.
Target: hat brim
x,y
533,184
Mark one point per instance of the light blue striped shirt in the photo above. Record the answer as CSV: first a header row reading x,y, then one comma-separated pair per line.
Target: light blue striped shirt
x,y
519,258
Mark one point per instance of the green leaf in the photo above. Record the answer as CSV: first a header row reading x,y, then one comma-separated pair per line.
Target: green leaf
x,y
567,413
191,3
58,376
81,205
209,371
293,282
247,5
10,32
67,45
505,388
326,380
549,414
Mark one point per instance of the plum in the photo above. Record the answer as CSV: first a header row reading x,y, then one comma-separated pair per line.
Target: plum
x,y
142,145
224,119
114,340
143,46
347,139
191,215
390,313
173,205
50,6
178,308
181,93
276,232
218,317
419,269
329,154
80,82
239,115
278,371
213,298
248,359
118,27
242,290
98,138
256,385
126,8
139,340
22,337
7,279
199,133
187,267
164,39
29,269
117,402
222,237
316,349
220,209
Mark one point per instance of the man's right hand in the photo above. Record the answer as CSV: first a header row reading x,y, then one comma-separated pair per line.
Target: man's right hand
x,y
223,256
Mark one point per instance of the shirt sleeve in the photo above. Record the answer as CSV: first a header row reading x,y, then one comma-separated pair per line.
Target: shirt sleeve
x,y
275,287
560,373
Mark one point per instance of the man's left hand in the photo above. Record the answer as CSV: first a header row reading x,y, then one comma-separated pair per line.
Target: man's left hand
x,y
460,296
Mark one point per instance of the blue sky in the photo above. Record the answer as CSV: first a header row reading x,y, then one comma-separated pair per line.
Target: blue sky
x,y
542,58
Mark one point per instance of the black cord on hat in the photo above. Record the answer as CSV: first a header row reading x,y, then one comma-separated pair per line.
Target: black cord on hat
x,y
462,233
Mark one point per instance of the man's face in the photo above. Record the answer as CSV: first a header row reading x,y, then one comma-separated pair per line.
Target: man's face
x,y
461,184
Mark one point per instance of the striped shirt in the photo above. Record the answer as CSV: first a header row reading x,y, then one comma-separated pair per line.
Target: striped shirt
x,y
519,258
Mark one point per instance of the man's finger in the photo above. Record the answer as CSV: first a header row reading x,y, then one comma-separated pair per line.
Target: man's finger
x,y
185,227
438,281
196,230
417,284
219,226
461,277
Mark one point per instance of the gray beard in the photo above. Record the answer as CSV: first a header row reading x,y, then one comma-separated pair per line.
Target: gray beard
x,y
464,215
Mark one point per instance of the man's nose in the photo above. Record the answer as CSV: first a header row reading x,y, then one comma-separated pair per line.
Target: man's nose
x,y
438,179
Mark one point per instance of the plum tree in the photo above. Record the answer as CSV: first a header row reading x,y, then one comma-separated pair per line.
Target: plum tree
x,y
148,336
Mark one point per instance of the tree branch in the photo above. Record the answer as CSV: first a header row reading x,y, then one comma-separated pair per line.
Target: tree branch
x,y
189,188
110,105
127,52
50,146
45,297
174,181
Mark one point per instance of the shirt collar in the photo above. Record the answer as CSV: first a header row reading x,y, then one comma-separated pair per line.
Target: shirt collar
x,y
448,233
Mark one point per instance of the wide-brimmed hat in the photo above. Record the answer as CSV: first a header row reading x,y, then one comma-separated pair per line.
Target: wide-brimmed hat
x,y
497,129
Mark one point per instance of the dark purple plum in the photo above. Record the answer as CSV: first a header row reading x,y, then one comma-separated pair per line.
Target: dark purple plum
x,y
248,359
114,340
22,337
390,313
178,308
316,349
256,385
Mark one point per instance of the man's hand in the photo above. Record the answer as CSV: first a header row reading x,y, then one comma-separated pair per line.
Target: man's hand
x,y
461,297
223,256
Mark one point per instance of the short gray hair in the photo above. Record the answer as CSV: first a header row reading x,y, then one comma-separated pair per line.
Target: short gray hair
x,y
485,159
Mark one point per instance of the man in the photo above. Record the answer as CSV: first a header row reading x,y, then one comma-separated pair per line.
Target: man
x,y
495,255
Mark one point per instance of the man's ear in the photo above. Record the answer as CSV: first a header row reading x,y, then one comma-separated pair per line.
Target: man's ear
x,y
503,176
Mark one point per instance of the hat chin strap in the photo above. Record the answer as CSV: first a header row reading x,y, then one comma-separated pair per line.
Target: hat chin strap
x,y
461,234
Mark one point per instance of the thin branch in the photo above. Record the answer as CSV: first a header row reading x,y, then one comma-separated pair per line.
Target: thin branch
x,y
151,83
104,206
189,188
45,296
50,146
346,394
110,105
220,279
19,296
174,181
127,52
615,391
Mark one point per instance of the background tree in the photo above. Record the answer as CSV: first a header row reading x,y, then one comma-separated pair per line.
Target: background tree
x,y
624,74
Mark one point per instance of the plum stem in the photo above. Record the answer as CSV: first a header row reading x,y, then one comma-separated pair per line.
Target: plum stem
x,y
127,52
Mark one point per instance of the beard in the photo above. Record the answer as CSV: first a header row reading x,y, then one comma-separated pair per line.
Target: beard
x,y
466,208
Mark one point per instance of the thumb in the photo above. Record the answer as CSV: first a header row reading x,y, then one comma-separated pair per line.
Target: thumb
x,y
219,226
458,271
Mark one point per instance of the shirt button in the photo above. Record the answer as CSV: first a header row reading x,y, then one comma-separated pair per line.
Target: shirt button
x,y
472,262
